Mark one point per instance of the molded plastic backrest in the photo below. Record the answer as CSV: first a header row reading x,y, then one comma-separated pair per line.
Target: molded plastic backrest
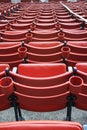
x,y
82,44
8,44
3,67
44,44
82,67
41,70
40,125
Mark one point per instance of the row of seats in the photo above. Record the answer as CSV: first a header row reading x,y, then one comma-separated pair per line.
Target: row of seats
x,y
38,43
79,8
70,52
6,9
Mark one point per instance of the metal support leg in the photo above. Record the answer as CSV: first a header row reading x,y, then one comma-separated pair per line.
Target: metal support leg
x,y
25,60
20,114
17,110
69,110
71,98
82,25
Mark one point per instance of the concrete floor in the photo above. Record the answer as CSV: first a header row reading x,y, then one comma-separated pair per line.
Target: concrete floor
x,y
77,115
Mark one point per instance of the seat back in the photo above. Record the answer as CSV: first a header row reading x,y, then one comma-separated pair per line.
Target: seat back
x,y
82,67
38,125
3,67
82,70
41,70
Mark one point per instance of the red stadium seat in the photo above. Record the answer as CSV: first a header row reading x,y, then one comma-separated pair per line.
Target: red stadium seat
x,y
14,36
70,25
4,104
44,35
9,47
63,17
44,51
9,53
75,35
45,25
62,13
20,26
44,20
78,85
82,70
24,21
2,27
41,87
77,52
66,20
28,17
78,46
2,69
